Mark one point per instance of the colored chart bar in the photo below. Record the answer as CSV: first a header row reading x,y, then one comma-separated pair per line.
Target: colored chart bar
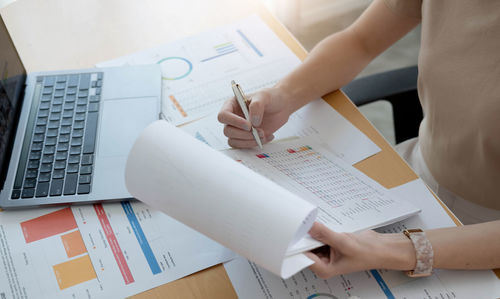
x,y
141,238
74,272
245,38
73,244
113,243
382,284
48,225
178,106
217,56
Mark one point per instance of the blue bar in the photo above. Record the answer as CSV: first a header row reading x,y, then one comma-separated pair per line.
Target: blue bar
x,y
250,43
213,57
141,238
382,284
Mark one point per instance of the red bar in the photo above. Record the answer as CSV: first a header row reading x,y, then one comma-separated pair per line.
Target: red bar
x,y
48,225
291,151
113,243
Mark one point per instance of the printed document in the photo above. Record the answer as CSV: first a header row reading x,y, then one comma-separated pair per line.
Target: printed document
x,y
263,219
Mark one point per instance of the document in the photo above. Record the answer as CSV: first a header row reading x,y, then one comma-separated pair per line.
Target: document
x,y
252,281
197,70
110,250
317,120
263,219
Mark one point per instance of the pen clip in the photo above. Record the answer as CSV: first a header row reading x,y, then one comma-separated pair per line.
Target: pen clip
x,y
247,102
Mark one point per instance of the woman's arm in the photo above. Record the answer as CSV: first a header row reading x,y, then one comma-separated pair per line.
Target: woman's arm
x,y
474,246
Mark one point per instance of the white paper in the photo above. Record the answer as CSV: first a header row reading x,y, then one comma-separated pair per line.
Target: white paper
x,y
317,120
213,194
250,281
71,252
197,70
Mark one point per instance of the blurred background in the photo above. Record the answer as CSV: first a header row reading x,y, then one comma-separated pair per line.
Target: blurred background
x,y
312,20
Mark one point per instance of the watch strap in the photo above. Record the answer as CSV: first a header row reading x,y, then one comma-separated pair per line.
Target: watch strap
x,y
423,251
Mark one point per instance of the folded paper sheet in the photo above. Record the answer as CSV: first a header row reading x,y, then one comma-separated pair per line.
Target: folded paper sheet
x,y
219,197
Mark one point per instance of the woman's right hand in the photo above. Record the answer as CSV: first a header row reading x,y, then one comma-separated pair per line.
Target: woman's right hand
x,y
269,110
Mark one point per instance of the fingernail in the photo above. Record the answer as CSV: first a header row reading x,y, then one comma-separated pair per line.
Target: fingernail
x,y
246,127
255,120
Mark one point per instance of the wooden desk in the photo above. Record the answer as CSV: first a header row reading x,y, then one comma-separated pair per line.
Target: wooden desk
x,y
60,34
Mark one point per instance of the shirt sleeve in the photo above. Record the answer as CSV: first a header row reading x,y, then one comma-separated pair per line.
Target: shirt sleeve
x,y
409,8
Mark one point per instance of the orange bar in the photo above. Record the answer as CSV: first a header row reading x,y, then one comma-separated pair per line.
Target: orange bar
x,y
179,107
48,225
74,272
73,243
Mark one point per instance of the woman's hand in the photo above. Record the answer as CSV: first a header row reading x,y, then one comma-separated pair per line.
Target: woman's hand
x,y
269,110
351,252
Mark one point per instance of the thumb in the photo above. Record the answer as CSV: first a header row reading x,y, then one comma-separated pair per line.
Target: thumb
x,y
256,109
321,233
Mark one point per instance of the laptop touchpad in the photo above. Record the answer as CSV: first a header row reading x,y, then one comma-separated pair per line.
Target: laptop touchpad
x,y
121,123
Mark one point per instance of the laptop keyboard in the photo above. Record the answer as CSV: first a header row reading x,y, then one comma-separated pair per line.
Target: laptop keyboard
x,y
57,157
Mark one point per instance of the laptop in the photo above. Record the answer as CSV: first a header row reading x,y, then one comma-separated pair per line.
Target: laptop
x,y
65,135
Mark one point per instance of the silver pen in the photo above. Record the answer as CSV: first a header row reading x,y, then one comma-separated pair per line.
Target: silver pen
x,y
243,102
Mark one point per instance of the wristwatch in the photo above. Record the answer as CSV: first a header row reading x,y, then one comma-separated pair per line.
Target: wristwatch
x,y
423,253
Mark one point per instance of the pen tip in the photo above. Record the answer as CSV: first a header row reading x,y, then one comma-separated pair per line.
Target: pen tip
x,y
232,82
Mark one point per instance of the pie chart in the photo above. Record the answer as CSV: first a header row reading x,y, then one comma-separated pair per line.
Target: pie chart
x,y
175,68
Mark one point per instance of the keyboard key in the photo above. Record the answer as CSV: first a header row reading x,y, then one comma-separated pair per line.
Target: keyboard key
x,y
58,174
67,121
42,190
44,177
37,146
62,147
56,187
99,76
85,179
84,189
54,124
79,124
67,114
98,91
47,90
59,94
55,116
49,81
40,129
50,141
80,116
60,85
31,173
90,133
70,98
58,100
41,121
73,80
86,169
81,108
56,108
84,81
52,132
33,164
69,106
43,113
71,90
46,167
65,130
74,159
15,194
38,137
35,155
75,150
99,83
76,141
49,149
87,159
70,183
61,156
72,168
93,107
60,165
95,99
83,93
47,158
64,138
61,78
77,132
46,98
29,183
28,193
44,105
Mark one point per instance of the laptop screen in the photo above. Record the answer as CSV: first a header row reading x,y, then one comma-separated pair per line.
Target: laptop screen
x,y
12,80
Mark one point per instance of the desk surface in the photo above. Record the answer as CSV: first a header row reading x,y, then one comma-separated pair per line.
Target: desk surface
x,y
59,34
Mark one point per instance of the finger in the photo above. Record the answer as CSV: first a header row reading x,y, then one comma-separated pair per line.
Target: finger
x,y
241,143
228,116
256,109
232,132
321,233
321,267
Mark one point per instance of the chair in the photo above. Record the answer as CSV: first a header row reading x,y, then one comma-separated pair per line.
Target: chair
x,y
399,87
